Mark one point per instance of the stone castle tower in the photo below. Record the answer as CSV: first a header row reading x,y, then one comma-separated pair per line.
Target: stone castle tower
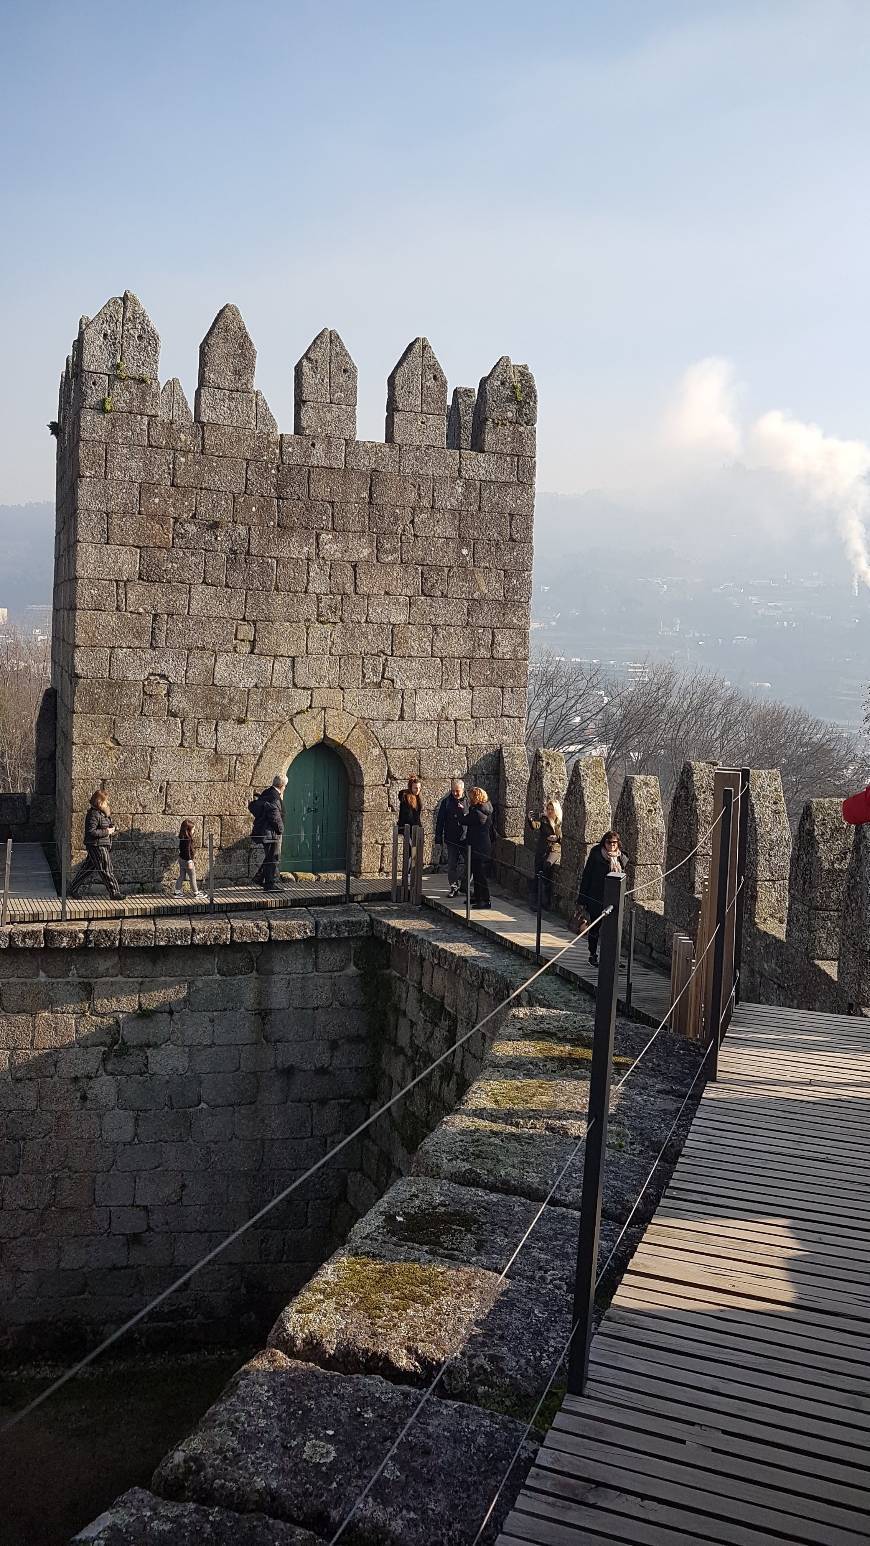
x,y
228,597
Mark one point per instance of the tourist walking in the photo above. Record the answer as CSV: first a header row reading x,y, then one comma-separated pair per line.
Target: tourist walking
x,y
99,831
480,842
606,859
267,810
186,860
548,852
452,830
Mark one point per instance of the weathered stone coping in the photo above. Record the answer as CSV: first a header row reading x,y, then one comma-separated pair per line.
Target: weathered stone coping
x,y
300,1430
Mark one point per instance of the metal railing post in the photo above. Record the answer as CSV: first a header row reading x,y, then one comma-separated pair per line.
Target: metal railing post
x,y
418,866
715,1027
211,872
540,903
406,864
596,1134
347,860
629,969
468,883
64,881
394,894
7,877
742,834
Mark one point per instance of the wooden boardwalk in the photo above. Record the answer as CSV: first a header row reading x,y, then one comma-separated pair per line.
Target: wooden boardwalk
x,y
510,921
729,1390
34,897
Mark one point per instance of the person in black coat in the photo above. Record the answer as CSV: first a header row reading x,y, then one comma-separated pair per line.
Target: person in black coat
x,y
451,829
99,831
480,842
267,810
606,859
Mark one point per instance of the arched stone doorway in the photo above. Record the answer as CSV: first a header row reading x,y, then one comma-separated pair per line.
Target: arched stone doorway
x,y
370,819
315,812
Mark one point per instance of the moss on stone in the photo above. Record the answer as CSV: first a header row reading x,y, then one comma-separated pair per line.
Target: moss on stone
x,y
436,1228
508,1403
524,1094
378,1290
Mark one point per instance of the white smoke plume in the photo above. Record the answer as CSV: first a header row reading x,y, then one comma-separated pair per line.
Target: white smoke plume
x,y
832,473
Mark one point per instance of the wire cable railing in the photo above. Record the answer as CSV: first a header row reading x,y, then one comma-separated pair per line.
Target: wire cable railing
x,y
566,1345
287,1191
342,1145
435,1382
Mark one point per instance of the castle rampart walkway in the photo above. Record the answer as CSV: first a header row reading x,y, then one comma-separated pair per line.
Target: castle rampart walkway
x,y
513,924
728,1397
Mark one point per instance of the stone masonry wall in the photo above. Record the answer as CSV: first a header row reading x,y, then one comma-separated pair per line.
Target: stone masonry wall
x,y
227,595
161,1080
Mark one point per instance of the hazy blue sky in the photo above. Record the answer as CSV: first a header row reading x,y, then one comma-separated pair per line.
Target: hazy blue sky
x,y
610,191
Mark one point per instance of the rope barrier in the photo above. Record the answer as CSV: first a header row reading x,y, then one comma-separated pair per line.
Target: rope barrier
x,y
281,1196
338,1148
433,1385
567,1344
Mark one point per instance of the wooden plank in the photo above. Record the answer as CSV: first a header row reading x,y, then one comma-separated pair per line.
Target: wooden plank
x,y
787,1398
830,1341
718,1470
794,1256
719,1499
740,1416
729,1383
849,1487
726,1402
743,1356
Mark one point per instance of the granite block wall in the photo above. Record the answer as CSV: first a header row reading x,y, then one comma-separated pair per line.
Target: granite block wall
x,y
161,1080
227,595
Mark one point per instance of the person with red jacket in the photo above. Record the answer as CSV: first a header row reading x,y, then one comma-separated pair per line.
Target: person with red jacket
x,y
856,810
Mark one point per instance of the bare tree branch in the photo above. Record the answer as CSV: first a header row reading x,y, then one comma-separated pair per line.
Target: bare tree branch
x,y
666,715
24,676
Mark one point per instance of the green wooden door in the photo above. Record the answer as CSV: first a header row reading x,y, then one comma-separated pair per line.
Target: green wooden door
x,y
315,812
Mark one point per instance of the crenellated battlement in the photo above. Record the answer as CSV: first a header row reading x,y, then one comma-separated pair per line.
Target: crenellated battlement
x,y
229,594
113,366
807,907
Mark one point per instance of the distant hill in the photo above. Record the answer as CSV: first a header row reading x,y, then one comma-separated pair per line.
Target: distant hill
x,y
26,557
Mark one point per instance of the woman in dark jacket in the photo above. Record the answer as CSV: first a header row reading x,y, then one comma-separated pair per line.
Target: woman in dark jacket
x,y
99,831
548,851
479,838
410,804
606,859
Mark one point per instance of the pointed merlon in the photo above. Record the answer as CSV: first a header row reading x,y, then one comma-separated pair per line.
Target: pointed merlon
x,y
100,339
174,407
265,418
227,357
325,381
460,416
140,341
506,410
417,398
311,376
